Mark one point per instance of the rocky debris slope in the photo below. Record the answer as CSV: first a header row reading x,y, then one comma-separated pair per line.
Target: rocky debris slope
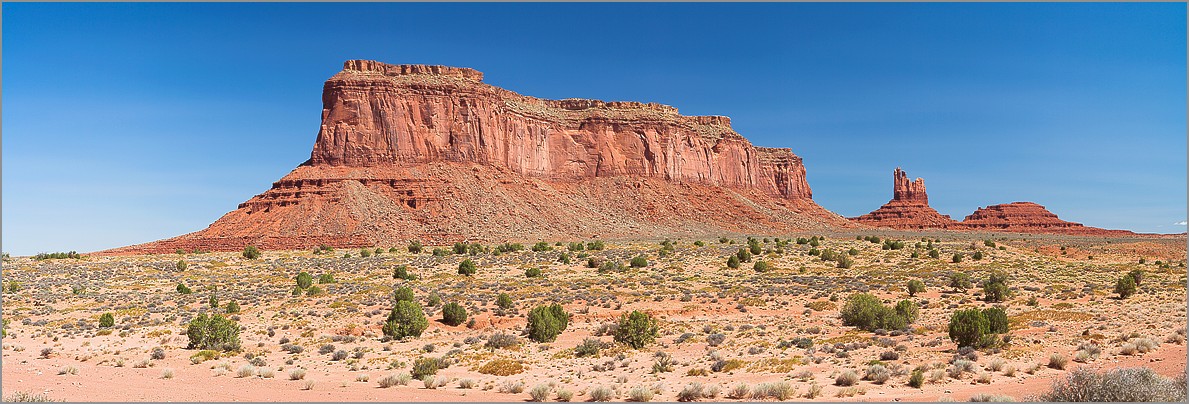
x,y
909,208
431,153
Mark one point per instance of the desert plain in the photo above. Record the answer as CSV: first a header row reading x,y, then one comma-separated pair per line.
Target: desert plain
x,y
724,334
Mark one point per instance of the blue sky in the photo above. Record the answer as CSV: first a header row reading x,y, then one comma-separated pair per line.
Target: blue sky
x,y
127,123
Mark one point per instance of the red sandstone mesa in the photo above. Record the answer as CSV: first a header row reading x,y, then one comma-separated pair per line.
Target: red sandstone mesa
x,y
431,153
909,208
1028,217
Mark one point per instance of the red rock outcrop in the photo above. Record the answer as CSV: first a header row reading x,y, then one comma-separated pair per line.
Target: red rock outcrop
x,y
909,208
1028,217
432,153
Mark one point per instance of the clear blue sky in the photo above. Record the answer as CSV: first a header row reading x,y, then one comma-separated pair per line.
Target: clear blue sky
x,y
127,123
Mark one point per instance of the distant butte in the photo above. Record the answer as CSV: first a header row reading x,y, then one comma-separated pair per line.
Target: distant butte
x,y
909,208
1028,217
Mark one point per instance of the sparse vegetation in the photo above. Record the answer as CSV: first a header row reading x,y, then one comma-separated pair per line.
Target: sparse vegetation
x,y
214,333
467,267
406,319
453,314
251,252
546,322
636,329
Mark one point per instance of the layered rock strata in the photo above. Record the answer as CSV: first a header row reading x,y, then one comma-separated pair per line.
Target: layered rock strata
x,y
431,153
908,209
1028,217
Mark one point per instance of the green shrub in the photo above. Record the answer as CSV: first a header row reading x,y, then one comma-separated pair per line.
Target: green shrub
x,y
440,252
594,245
232,307
956,258
414,247
908,309
978,255
845,262
1125,287
313,291
405,319
251,252
609,266
213,301
403,294
475,249
402,272
864,311
733,262
575,246
182,265
433,300
639,261
1137,276
304,280
960,281
466,267
183,289
915,286
563,258
503,301
917,379
366,252
755,249
453,314
542,246
326,278
699,243
532,272
106,320
995,288
546,322
214,333
967,327
636,329
424,366
61,255
760,266
588,347
460,248
996,320
744,255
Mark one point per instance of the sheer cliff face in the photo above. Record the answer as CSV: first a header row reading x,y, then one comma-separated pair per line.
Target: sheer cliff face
x,y
377,114
430,153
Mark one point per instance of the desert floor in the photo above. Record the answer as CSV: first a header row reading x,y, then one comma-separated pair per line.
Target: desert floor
x,y
1062,300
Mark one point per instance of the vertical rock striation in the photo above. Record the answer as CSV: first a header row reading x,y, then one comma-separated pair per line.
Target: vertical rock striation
x,y
431,153
909,208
